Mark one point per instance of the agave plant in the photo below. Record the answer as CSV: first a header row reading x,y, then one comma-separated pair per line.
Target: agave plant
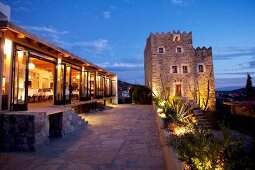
x,y
181,110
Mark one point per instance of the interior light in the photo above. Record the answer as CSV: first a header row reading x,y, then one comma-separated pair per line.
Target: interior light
x,y
31,66
78,76
3,83
20,55
59,60
8,47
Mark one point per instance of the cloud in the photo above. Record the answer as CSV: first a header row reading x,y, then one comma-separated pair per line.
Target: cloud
x,y
177,2
55,36
226,82
93,47
113,7
130,72
237,73
106,14
245,54
181,2
129,1
21,9
223,53
122,65
19,5
47,31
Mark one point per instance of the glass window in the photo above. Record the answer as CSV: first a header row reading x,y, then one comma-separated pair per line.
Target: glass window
x,y
68,83
75,86
113,91
6,73
59,95
99,86
19,78
40,82
200,68
185,69
178,49
160,50
174,69
85,85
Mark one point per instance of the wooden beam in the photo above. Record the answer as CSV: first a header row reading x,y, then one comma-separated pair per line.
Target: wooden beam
x,y
21,36
40,45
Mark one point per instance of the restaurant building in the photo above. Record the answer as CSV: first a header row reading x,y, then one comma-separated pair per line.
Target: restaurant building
x,y
44,88
36,73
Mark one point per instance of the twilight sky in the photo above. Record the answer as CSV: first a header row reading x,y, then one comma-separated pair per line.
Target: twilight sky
x,y
112,33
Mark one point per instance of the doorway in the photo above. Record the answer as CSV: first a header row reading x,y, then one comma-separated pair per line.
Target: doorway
x,y
178,90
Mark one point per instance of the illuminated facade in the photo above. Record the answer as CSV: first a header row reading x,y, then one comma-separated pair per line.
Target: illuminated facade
x,y
34,73
174,68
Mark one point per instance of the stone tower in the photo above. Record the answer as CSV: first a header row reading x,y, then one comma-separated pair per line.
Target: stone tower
x,y
174,68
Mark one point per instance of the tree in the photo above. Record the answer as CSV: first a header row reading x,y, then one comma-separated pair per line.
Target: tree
x,y
249,88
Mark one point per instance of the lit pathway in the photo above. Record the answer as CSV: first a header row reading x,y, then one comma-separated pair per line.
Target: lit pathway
x,y
125,137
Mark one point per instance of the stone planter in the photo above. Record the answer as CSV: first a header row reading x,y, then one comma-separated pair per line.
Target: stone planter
x,y
169,154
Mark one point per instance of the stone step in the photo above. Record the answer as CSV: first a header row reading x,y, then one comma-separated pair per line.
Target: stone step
x,y
202,119
82,117
203,123
199,114
204,127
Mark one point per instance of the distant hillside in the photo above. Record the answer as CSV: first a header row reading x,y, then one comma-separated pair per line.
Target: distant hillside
x,y
229,88
124,86
240,90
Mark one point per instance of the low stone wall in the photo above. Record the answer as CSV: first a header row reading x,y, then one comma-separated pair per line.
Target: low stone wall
x,y
26,131
71,121
42,126
17,132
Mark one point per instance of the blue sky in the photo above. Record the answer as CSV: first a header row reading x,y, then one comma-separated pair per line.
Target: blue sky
x,y
112,33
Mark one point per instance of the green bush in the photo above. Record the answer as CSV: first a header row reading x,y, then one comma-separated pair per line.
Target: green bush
x,y
140,95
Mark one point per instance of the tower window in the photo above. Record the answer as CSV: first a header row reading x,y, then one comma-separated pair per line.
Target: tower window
x,y
174,69
185,69
178,49
161,50
201,68
176,37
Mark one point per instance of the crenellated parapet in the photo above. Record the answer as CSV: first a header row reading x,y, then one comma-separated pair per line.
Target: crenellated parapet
x,y
174,37
203,51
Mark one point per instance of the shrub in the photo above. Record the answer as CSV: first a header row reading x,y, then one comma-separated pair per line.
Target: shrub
x,y
140,95
202,151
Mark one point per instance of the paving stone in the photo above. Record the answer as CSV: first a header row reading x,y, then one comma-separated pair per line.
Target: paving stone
x,y
122,138
76,166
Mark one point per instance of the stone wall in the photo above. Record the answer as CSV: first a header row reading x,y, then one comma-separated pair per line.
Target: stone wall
x,y
158,67
18,132
26,131
71,121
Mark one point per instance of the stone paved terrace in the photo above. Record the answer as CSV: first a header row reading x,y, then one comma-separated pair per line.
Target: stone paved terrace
x,y
124,137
